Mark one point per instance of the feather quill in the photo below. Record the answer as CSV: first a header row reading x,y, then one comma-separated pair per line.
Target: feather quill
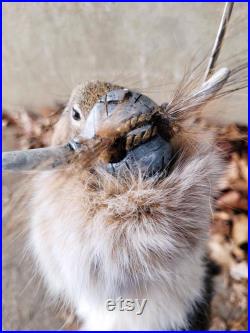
x,y
219,39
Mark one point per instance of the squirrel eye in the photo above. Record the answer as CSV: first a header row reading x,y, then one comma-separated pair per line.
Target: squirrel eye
x,y
76,114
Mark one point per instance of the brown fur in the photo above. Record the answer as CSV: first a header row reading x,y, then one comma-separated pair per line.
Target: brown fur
x,y
97,236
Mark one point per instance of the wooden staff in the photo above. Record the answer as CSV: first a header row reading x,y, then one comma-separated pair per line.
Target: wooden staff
x,y
53,157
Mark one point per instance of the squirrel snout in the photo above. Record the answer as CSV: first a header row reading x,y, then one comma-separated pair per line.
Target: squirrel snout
x,y
137,143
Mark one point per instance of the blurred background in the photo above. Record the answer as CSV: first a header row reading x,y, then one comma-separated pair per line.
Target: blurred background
x,y
48,48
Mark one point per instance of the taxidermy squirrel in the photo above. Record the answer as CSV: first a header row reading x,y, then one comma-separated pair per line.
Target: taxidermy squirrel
x,y
119,232
134,224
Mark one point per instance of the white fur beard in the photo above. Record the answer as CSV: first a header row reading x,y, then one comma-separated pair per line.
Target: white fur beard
x,y
140,239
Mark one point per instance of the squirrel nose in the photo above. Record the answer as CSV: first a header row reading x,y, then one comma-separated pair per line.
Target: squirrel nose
x,y
142,148
116,104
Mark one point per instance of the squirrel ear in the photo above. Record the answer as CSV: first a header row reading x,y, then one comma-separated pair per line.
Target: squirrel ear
x,y
62,131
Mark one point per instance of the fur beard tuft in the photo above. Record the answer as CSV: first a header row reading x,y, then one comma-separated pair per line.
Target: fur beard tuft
x,y
148,225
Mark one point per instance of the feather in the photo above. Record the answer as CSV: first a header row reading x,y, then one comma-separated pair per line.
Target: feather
x,y
219,38
191,95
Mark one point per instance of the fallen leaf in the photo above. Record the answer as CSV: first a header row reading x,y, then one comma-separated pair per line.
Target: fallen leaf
x,y
239,271
240,229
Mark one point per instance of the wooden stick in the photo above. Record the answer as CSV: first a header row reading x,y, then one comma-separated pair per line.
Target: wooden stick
x,y
53,157
41,158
